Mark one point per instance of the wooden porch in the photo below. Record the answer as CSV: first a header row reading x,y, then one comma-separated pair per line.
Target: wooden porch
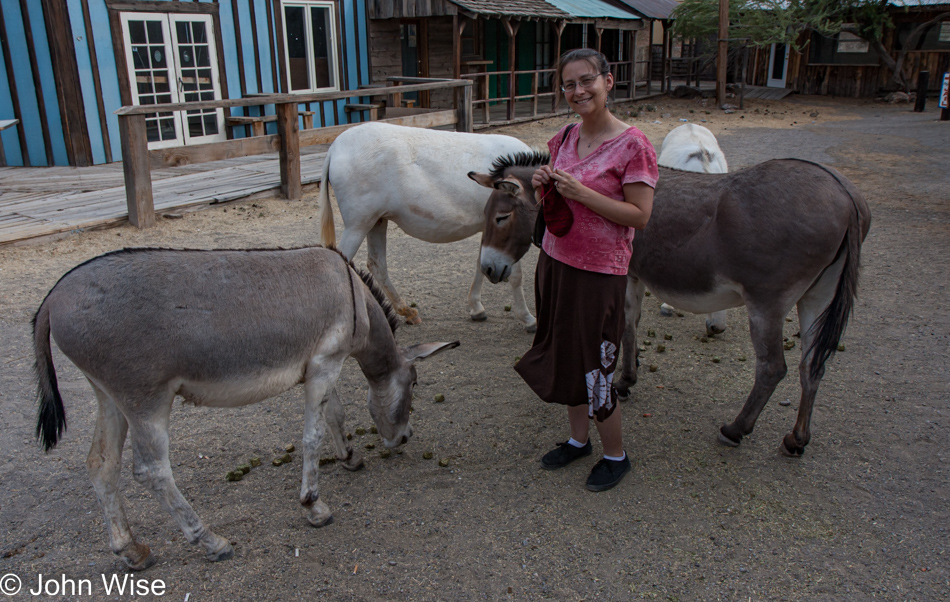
x,y
42,202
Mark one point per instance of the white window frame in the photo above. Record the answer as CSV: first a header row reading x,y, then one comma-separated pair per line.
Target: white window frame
x,y
170,37
332,45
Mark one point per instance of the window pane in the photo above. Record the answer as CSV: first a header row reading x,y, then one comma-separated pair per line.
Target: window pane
x,y
200,32
186,56
140,57
194,126
155,32
211,125
137,32
144,84
202,56
167,128
322,55
295,21
184,32
158,56
151,130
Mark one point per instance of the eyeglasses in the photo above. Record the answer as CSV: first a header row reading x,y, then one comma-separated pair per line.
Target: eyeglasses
x,y
585,82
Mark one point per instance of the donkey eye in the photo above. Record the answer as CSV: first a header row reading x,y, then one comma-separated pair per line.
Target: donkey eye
x,y
500,219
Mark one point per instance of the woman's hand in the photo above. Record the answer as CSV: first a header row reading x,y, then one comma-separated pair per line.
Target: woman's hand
x,y
567,185
541,177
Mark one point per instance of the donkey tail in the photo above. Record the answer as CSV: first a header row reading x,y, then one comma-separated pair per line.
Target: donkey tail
x,y
327,230
832,322
51,415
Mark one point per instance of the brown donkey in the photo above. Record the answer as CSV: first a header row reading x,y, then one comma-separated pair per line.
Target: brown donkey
x,y
780,234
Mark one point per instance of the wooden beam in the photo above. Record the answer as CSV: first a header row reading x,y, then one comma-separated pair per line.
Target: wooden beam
x,y
66,75
512,30
723,53
264,99
633,65
135,168
288,131
463,102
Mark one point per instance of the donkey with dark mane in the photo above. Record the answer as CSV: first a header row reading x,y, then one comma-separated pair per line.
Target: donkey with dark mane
x,y
220,329
777,235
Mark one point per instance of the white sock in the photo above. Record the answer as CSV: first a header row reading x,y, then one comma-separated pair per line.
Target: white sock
x,y
575,442
615,458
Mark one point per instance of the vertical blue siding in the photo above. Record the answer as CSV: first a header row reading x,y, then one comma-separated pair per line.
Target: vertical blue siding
x,y
108,72
11,141
47,82
264,46
86,81
26,89
352,13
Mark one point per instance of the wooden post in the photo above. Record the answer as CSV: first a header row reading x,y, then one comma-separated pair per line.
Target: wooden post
x,y
923,82
558,30
135,167
288,131
633,65
512,30
650,61
723,55
458,28
534,94
463,100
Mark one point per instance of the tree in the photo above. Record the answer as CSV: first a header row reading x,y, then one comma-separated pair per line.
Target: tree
x,y
760,23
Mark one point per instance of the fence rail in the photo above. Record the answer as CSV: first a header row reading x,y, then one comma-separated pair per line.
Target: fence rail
x,y
137,160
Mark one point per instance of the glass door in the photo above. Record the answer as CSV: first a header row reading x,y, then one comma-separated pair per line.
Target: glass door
x,y
171,58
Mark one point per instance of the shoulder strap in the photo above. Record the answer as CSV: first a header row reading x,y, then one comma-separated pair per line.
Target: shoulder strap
x,y
567,131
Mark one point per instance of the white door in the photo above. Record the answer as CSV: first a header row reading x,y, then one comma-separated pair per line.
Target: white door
x,y
171,58
778,66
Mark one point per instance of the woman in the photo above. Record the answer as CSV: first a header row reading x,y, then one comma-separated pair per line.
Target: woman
x,y
605,171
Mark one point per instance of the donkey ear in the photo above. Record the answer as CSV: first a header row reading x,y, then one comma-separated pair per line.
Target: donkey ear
x,y
424,350
482,178
507,186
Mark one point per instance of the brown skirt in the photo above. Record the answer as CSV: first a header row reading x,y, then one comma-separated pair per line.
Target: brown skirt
x,y
575,349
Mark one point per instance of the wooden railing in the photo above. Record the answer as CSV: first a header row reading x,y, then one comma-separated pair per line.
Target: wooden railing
x,y
624,76
137,160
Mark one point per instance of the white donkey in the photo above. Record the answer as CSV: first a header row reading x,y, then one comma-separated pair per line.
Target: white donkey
x,y
221,329
416,178
692,147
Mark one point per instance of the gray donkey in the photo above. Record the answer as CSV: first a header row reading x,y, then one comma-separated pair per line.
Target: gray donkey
x,y
220,329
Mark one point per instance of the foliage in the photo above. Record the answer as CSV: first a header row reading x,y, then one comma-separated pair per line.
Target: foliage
x,y
760,23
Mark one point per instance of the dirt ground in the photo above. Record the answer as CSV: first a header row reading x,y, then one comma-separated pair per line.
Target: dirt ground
x,y
863,515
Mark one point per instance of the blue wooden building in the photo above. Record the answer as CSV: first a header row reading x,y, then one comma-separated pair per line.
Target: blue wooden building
x,y
67,65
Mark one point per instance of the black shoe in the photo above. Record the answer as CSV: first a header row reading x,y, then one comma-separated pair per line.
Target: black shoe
x,y
607,473
564,454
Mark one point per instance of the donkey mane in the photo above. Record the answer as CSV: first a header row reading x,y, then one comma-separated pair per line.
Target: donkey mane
x,y
391,316
535,158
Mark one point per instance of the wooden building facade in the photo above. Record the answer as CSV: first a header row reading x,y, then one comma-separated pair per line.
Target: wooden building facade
x,y
66,66
846,66
508,49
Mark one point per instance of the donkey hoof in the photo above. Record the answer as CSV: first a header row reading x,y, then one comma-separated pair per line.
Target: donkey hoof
x,y
319,514
480,316
795,450
138,557
224,553
713,329
726,439
666,311
354,463
321,521
531,328
623,394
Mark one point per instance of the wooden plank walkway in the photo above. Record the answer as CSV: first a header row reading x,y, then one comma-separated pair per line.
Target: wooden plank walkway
x,y
42,201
